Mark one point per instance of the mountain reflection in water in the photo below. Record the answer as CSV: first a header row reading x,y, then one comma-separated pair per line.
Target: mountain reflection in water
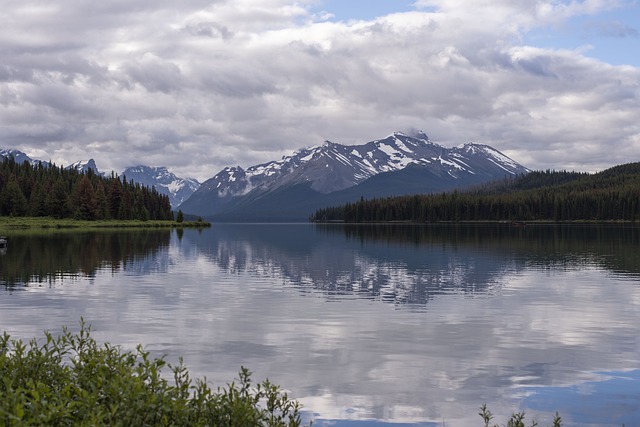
x,y
365,324
408,264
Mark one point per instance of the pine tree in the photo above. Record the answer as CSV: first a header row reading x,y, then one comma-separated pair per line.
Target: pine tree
x,y
58,200
85,200
12,201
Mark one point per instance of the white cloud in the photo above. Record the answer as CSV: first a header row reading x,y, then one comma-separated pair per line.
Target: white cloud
x,y
200,85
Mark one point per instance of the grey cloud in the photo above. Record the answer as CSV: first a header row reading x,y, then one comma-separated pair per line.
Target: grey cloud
x,y
208,29
8,74
155,74
536,66
244,86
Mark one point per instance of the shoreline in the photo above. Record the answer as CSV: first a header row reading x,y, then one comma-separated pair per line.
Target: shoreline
x,y
47,223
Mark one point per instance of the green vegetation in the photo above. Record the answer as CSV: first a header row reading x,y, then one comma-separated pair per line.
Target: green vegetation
x,y
13,223
516,420
611,195
51,191
72,380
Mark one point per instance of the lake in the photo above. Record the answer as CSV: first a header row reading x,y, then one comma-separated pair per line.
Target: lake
x,y
401,325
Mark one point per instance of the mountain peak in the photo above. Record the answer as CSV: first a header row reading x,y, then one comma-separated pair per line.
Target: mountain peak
x,y
17,155
420,135
85,166
165,182
318,173
415,134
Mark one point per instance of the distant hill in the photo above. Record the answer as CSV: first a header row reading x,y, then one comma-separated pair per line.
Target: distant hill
x,y
610,195
291,189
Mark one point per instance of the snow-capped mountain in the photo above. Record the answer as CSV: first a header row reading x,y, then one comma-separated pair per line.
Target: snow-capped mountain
x,y
17,155
399,163
20,157
165,182
84,166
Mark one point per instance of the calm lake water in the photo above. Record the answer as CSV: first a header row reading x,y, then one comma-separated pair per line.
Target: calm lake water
x,y
364,325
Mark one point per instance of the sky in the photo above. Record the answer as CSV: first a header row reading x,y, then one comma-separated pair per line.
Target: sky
x,y
198,85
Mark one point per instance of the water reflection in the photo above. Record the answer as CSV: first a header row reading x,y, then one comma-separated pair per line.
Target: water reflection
x,y
408,265
404,325
44,257
549,246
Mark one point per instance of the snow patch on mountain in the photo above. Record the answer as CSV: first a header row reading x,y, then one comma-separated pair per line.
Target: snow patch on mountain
x,y
333,167
18,156
177,189
85,166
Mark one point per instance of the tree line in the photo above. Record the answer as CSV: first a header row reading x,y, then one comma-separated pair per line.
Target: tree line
x,y
47,190
611,195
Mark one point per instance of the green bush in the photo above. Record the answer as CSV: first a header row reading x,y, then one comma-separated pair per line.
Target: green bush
x,y
72,380
516,420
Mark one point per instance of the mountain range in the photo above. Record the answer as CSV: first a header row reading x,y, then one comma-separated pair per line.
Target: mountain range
x,y
332,174
165,182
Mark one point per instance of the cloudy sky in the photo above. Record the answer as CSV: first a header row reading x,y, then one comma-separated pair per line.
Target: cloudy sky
x,y
198,85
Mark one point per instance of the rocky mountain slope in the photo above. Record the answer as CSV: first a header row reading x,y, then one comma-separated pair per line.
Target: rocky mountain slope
x,y
178,189
292,188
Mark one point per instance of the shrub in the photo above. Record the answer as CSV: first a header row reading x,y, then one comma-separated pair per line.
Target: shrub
x,y
516,420
72,380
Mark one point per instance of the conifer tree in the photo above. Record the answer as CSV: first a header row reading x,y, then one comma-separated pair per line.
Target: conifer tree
x,y
12,201
58,200
86,204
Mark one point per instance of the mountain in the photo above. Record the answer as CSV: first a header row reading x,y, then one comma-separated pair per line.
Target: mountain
x,y
18,156
165,182
331,174
84,166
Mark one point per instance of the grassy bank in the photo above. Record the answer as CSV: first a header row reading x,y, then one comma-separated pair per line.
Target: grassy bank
x,y
9,223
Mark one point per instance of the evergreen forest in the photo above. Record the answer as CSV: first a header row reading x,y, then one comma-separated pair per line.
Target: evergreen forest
x,y
610,195
45,190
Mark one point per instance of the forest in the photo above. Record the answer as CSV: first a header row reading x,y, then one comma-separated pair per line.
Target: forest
x,y
45,190
610,195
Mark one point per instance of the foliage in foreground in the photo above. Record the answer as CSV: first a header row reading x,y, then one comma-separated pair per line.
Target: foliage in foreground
x,y
72,380
516,420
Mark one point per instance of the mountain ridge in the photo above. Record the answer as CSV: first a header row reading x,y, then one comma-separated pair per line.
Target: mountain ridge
x,y
331,173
